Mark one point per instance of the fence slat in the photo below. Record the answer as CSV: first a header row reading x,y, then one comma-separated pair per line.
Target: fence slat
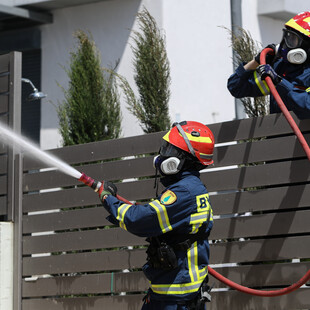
x,y
256,176
3,205
259,151
84,262
115,170
81,218
274,249
80,240
253,128
4,83
91,303
3,164
4,63
103,150
87,284
3,184
4,103
285,197
283,223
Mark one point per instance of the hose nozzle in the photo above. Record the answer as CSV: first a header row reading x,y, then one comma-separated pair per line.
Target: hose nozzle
x,y
95,185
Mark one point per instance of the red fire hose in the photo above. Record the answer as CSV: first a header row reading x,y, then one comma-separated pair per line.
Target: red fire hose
x,y
282,106
251,291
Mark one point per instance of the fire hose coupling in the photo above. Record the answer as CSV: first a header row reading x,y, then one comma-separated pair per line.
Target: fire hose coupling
x,y
90,182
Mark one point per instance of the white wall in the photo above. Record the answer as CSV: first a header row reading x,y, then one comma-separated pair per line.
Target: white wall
x,y
200,56
6,265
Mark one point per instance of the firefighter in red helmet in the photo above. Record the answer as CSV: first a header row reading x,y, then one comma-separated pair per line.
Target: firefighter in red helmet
x,y
288,67
177,224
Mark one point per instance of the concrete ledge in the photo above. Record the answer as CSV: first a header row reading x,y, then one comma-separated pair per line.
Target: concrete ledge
x,y
281,9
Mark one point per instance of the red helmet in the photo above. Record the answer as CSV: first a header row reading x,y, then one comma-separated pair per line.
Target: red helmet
x,y
301,23
194,138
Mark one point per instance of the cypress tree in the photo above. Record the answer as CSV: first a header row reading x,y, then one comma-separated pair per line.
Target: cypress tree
x,y
91,108
246,49
152,77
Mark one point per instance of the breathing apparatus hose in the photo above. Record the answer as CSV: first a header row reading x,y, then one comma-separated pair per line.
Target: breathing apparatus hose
x,y
282,106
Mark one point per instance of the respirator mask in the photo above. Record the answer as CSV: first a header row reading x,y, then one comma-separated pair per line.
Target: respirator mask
x,y
169,161
293,48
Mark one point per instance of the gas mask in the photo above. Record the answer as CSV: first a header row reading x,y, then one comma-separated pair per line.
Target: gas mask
x,y
170,159
167,165
293,48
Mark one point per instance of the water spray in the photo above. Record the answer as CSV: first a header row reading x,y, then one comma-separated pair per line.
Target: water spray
x,y
14,140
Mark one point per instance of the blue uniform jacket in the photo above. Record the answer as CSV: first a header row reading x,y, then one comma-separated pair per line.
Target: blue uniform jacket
x,y
182,208
294,89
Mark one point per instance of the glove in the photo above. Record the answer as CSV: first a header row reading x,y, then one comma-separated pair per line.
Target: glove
x,y
267,70
107,188
269,57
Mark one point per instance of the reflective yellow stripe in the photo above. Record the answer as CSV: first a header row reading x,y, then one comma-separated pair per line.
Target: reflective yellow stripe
x,y
197,219
195,228
201,217
262,85
294,25
308,90
203,272
190,138
197,139
192,259
162,215
179,289
121,211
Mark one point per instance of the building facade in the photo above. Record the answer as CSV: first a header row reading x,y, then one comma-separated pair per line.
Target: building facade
x,y
198,48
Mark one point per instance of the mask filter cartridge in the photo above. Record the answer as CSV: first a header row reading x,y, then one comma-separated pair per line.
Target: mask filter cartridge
x,y
297,56
168,165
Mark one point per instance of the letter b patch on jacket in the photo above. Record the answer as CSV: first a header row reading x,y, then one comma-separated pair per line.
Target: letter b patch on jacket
x,y
202,202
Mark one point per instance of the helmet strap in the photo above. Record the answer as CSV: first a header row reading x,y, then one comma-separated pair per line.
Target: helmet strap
x,y
181,131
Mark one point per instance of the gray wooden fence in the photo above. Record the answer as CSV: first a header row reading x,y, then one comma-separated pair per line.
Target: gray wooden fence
x,y
74,259
69,257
